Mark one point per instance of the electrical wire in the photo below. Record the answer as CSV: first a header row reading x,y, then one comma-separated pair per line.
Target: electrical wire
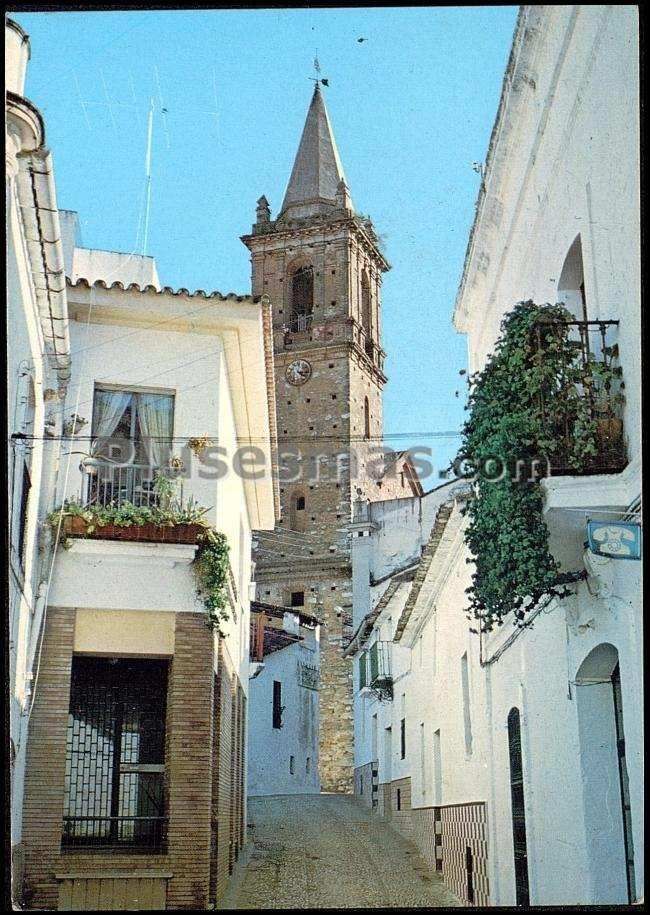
x,y
293,439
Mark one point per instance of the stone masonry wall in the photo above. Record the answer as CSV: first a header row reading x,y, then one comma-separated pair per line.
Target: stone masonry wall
x,y
319,420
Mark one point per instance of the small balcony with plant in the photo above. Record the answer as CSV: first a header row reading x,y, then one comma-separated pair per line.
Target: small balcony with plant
x,y
131,489
546,408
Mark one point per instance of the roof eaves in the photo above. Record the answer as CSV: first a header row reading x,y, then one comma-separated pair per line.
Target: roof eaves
x,y
83,283
428,555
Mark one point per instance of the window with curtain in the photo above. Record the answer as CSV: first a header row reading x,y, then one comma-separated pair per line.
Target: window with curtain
x,y
132,427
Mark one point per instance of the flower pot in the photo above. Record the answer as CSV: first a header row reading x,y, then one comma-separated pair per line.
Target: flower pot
x,y
609,431
74,525
150,533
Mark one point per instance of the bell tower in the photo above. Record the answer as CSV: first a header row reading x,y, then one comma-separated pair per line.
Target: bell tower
x,y
321,266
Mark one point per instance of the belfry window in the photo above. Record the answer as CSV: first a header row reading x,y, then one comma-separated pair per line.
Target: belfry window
x,y
366,307
298,514
302,298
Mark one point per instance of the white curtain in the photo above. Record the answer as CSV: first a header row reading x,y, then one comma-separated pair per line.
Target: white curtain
x,y
108,409
155,417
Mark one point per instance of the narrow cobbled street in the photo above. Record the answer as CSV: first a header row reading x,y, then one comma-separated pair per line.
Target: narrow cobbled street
x,y
327,851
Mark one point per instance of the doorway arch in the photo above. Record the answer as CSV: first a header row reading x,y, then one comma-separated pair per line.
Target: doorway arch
x,y
606,798
571,285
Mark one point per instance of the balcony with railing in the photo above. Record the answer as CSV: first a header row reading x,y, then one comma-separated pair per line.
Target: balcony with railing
x,y
105,484
377,669
582,415
132,502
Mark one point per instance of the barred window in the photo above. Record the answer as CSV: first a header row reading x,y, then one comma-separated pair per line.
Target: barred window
x,y
115,754
302,292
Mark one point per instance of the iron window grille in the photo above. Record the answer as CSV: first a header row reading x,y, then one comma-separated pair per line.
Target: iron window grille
x,y
379,671
115,755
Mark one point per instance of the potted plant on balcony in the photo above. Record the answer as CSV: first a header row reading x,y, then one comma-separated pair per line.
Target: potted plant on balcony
x,y
168,520
199,444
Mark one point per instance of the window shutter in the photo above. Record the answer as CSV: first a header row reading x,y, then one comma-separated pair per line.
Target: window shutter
x,y
363,679
374,662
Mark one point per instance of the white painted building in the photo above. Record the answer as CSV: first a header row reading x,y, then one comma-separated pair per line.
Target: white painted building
x,y
130,783
522,771
38,370
152,370
283,706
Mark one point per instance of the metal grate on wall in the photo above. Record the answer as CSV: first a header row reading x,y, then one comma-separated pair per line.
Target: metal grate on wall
x,y
115,755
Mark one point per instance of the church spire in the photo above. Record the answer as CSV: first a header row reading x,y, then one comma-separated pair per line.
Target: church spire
x,y
317,171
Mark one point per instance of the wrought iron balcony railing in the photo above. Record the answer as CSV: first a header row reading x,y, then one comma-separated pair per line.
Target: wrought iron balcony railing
x,y
119,833
591,392
112,484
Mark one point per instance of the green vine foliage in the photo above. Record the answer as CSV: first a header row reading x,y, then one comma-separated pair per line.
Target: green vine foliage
x,y
212,568
536,386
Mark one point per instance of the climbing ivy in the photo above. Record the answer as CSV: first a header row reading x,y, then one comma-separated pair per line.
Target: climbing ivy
x,y
536,385
212,568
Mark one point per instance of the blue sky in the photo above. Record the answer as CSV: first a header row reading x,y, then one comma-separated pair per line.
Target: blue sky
x,y
412,107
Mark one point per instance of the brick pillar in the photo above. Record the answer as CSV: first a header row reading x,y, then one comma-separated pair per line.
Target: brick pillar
x,y
214,801
242,767
45,767
223,773
189,764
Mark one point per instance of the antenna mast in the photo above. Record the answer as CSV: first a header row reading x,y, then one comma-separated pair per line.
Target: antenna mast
x,y
148,175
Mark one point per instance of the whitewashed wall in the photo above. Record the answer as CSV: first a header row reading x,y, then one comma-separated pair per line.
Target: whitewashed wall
x,y
34,392
269,748
566,163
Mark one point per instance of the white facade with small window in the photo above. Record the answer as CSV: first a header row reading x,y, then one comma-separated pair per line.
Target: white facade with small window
x,y
283,715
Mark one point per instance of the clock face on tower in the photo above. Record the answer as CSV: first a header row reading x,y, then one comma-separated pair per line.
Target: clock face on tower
x,y
298,371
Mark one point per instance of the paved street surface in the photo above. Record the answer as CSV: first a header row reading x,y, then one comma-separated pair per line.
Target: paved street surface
x,y
327,851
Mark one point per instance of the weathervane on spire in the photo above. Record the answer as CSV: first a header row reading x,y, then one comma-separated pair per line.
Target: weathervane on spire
x,y
318,79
